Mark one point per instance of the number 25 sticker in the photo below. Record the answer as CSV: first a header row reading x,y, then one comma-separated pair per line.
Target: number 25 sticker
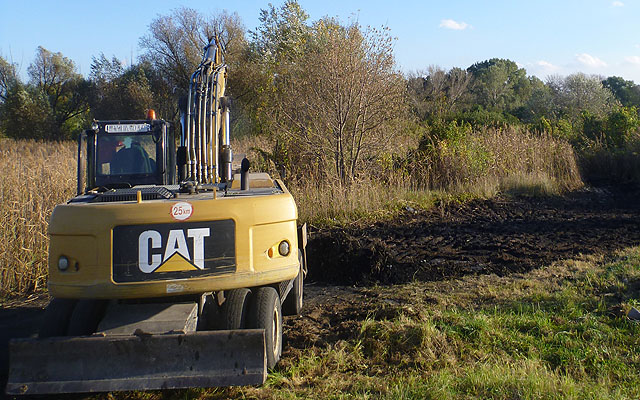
x,y
181,211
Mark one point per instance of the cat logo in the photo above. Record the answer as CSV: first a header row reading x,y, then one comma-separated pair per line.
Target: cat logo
x,y
173,251
176,255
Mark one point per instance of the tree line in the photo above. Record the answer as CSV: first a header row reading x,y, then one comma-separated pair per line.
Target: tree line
x,y
327,94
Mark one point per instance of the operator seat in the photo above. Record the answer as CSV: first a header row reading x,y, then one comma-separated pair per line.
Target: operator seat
x,y
132,160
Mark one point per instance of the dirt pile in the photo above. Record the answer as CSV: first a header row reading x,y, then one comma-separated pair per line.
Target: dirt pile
x,y
500,235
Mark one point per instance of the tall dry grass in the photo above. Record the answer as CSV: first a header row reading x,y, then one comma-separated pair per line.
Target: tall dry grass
x,y
479,163
34,177
491,160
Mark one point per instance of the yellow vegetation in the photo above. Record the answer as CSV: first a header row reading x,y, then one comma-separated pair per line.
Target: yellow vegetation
x,y
34,178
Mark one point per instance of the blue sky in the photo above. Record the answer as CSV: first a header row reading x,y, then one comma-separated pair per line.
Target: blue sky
x,y
544,36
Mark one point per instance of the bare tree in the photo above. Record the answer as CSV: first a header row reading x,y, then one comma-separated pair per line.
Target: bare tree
x,y
458,86
175,42
579,92
436,91
342,97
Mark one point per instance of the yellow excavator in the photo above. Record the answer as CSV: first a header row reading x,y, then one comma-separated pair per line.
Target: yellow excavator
x,y
170,268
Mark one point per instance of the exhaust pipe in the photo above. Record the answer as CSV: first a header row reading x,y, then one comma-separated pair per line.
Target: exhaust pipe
x,y
244,176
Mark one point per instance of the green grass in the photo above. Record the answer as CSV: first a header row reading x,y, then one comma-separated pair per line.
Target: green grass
x,y
558,332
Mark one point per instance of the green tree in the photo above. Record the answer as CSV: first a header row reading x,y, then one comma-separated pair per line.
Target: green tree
x,y
282,34
26,113
8,78
118,93
499,84
622,123
55,78
8,81
539,105
627,92
276,46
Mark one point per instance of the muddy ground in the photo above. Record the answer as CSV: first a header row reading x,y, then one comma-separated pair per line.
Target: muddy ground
x,y
501,236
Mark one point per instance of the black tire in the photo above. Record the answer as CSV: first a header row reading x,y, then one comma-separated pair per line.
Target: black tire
x,y
292,304
86,316
266,314
211,317
56,318
235,309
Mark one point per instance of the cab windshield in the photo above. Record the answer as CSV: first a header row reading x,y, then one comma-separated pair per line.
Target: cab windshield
x,y
126,154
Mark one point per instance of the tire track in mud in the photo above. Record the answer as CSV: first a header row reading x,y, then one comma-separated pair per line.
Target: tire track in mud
x,y
501,236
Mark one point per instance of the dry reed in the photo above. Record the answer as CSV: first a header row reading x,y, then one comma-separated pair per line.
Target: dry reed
x,y
35,177
492,160
483,164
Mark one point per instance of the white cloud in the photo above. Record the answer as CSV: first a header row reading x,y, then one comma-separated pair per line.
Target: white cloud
x,y
633,60
451,24
547,65
590,61
617,4
542,68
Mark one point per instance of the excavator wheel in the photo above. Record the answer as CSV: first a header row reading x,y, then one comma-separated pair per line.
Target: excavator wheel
x,y
86,316
266,314
56,318
236,308
292,304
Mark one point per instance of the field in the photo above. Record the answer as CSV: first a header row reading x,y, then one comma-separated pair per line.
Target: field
x,y
517,293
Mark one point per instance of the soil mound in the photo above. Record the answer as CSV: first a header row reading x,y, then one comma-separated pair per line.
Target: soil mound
x,y
500,236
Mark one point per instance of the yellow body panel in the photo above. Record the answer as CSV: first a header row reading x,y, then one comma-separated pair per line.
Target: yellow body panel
x,y
83,232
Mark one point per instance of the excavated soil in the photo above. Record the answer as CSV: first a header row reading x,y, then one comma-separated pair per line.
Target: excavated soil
x,y
500,236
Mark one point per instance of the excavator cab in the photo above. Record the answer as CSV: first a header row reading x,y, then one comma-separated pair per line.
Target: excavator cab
x,y
124,154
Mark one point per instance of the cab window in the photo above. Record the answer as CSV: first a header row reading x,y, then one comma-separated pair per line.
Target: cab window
x,y
126,155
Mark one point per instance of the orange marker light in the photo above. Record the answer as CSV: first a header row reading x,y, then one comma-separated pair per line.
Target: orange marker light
x,y
151,114
270,252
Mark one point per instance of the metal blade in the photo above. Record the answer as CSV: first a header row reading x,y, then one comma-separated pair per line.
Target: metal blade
x,y
117,363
